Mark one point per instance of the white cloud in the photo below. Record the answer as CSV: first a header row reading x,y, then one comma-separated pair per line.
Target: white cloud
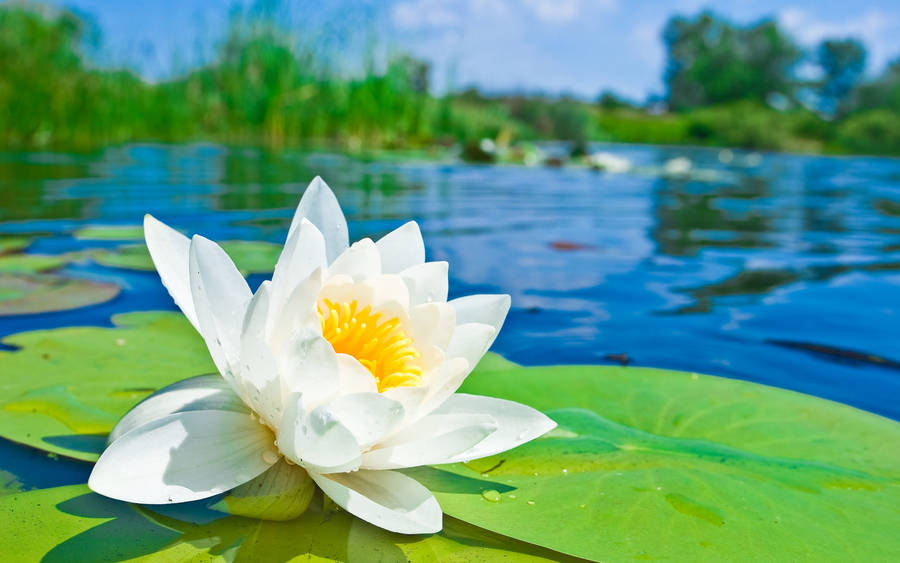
x,y
417,14
554,11
875,28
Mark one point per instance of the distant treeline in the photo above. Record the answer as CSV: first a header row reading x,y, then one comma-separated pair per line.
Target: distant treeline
x,y
727,85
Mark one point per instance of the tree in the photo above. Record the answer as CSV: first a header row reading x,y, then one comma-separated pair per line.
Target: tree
x,y
711,61
883,92
843,62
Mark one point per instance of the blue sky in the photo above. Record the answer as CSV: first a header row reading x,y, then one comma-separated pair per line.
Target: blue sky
x,y
579,46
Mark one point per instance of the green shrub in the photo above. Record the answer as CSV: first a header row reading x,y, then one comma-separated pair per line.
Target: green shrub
x,y
875,131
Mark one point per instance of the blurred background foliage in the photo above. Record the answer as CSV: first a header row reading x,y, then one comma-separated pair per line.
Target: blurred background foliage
x,y
727,85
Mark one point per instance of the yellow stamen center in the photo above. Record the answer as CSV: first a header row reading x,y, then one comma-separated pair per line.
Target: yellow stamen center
x,y
380,345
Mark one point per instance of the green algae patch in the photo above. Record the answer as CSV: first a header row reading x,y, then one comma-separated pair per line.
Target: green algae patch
x,y
250,257
25,294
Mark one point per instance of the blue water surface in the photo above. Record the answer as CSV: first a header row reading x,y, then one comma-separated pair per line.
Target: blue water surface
x,y
775,268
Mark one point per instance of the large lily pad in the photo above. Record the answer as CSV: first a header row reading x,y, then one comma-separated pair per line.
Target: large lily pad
x,y
654,464
73,524
22,294
66,388
250,257
645,463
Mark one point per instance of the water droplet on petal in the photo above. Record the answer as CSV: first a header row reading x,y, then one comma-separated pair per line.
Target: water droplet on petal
x,y
491,495
270,456
531,502
512,497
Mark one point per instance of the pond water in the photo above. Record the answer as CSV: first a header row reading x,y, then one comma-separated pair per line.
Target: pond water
x,y
779,269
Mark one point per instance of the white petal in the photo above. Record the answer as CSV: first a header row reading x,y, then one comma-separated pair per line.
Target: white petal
x,y
204,392
432,439
470,341
256,372
360,261
184,456
320,206
298,311
516,423
401,248
485,309
308,365
316,440
354,378
220,297
369,416
387,499
303,253
411,398
434,324
389,294
427,282
445,382
170,250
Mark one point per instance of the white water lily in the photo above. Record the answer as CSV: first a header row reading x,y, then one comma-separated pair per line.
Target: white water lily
x,y
344,367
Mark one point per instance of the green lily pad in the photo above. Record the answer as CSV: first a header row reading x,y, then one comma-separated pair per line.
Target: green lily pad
x,y
644,464
13,243
73,524
654,464
65,389
110,232
9,483
22,294
30,263
129,257
250,257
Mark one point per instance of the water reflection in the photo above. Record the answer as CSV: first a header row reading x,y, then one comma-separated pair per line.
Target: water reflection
x,y
712,270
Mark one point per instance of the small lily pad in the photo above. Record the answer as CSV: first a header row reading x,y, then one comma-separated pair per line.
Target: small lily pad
x,y
13,244
30,263
73,524
22,294
110,232
250,257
